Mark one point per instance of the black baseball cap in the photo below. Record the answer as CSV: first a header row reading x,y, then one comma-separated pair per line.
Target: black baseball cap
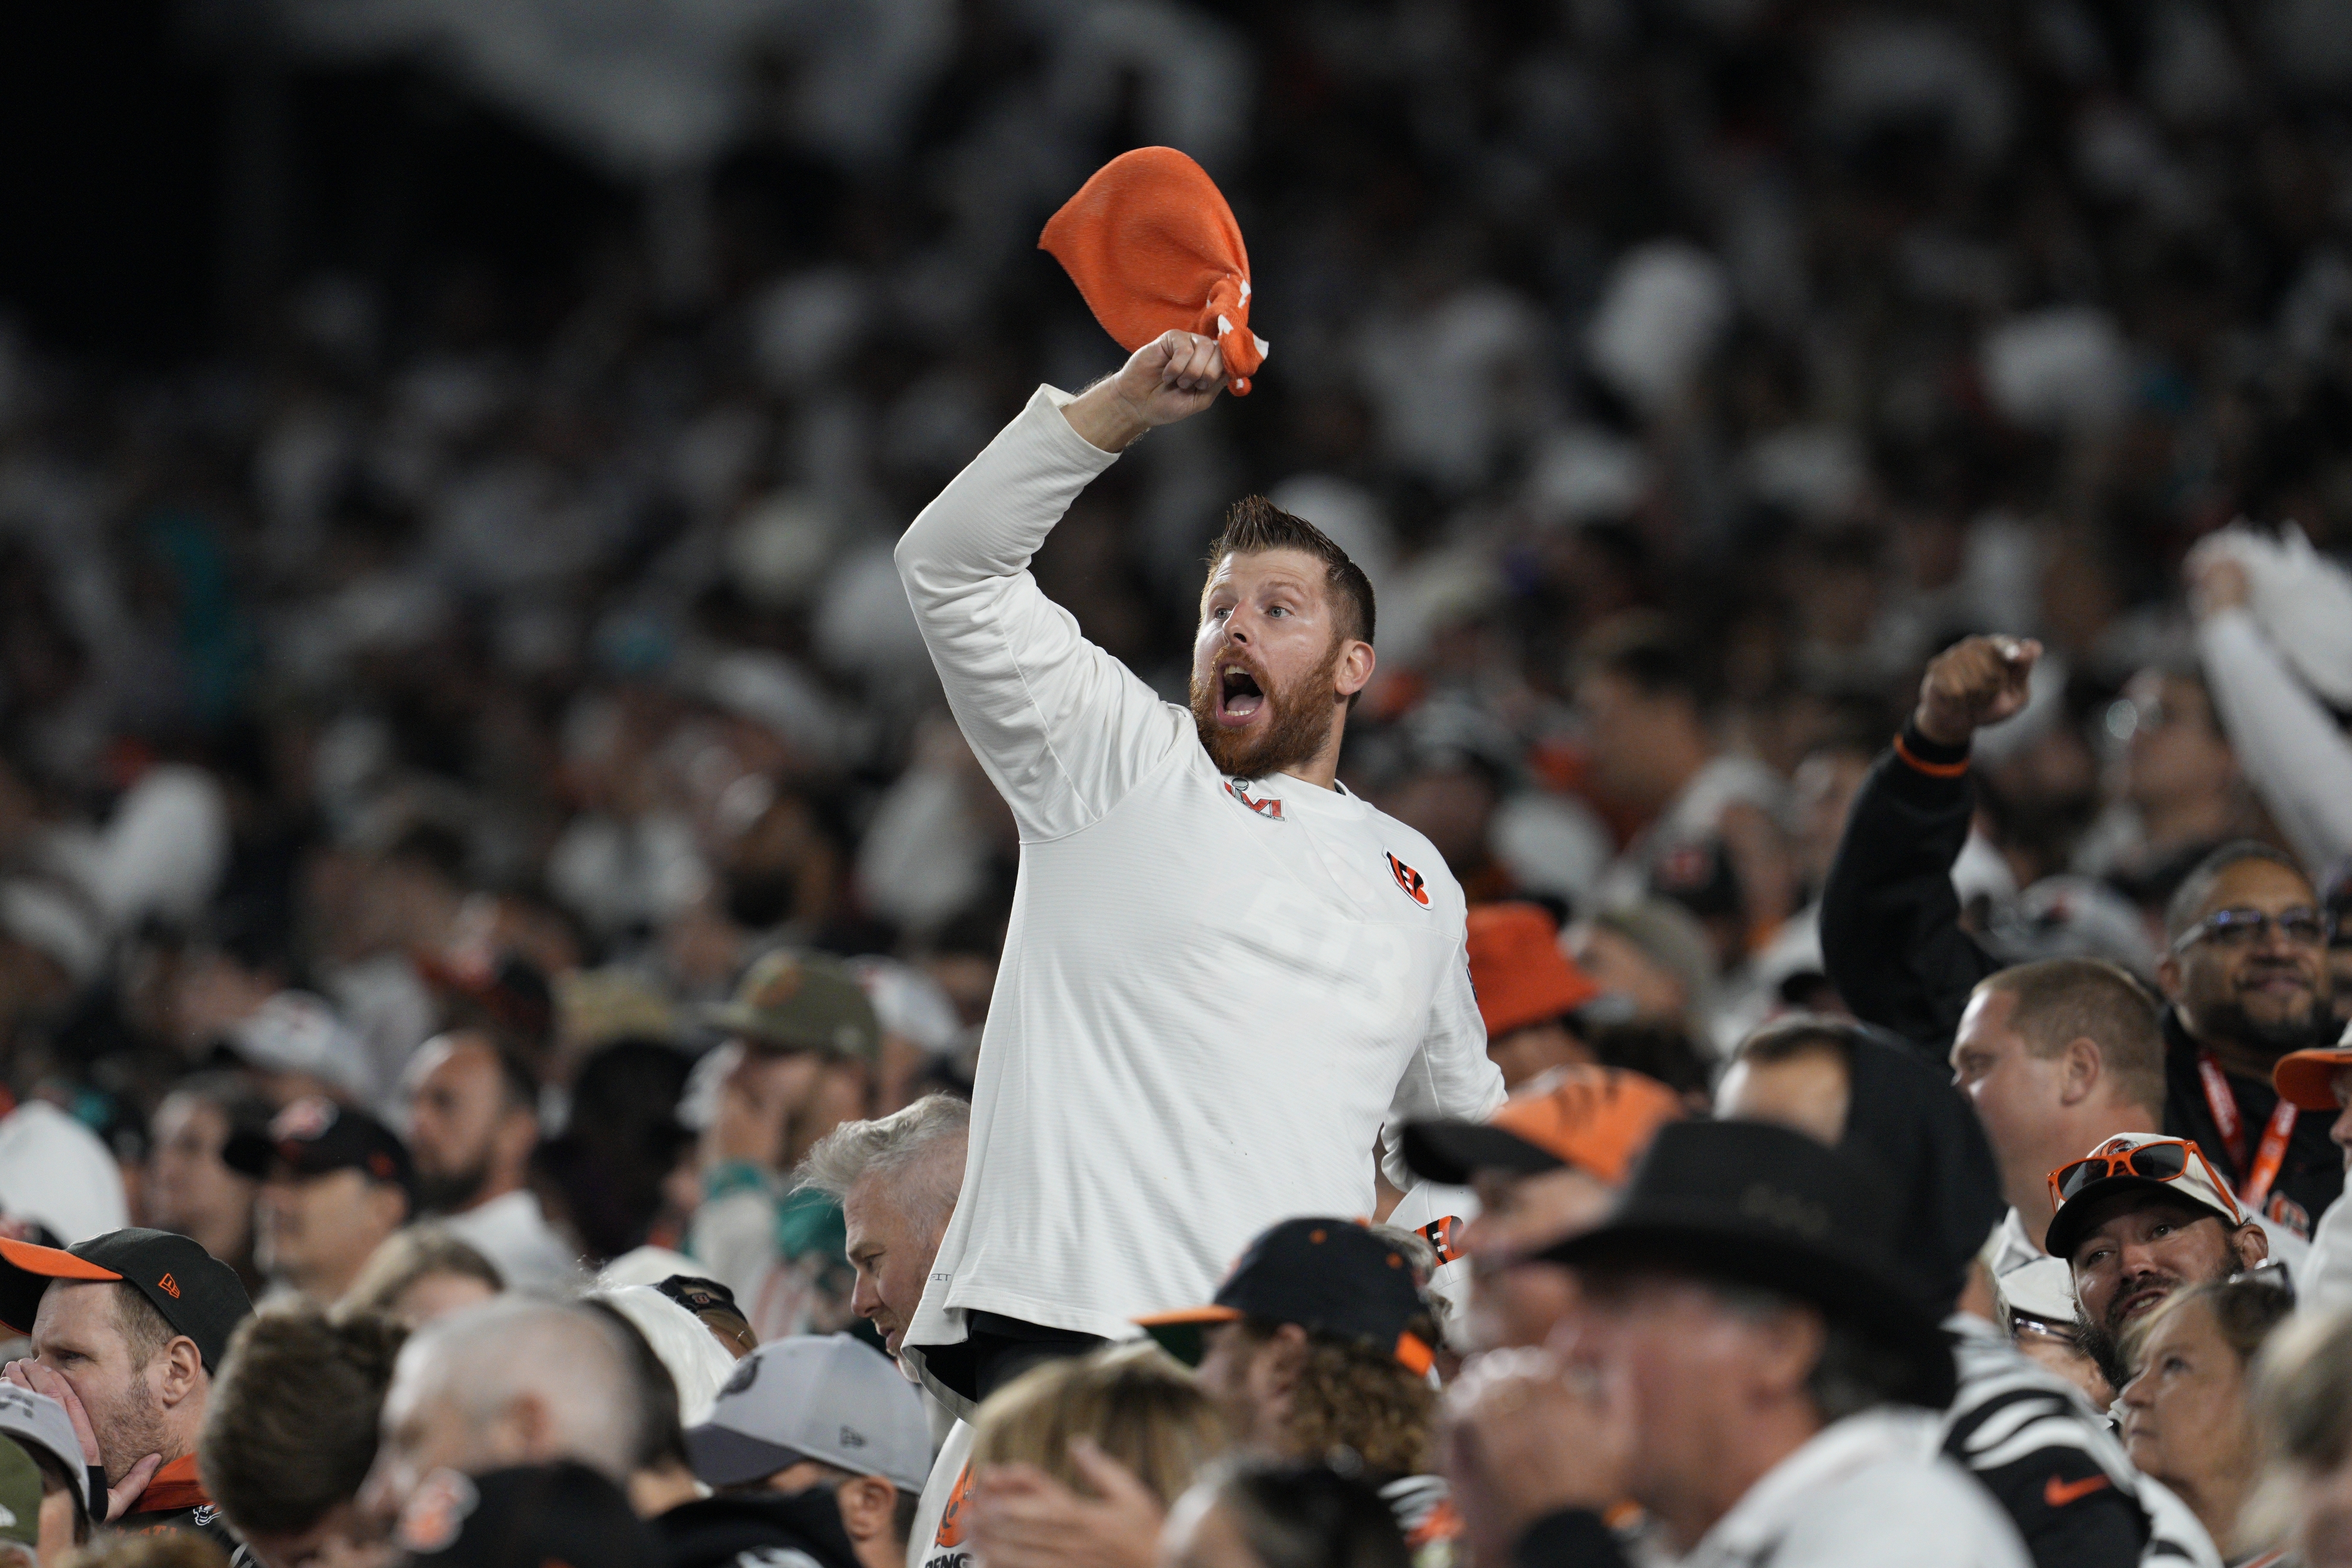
x,y
1755,1204
199,1295
527,1517
1331,1277
313,1136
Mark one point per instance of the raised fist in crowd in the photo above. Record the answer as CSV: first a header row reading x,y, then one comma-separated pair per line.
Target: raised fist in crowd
x,y
1172,377
1974,683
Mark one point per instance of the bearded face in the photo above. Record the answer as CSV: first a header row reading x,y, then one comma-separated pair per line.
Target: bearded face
x,y
1283,724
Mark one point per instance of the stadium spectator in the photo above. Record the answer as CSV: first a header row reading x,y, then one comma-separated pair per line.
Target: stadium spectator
x,y
2302,1403
1319,1341
1164,995
513,1381
473,1123
420,1272
335,1183
1542,1166
2244,973
2138,1218
291,1431
1741,1307
896,1179
2320,1081
2054,1468
187,1188
1528,992
2185,1411
800,1030
127,1329
1079,1458
1652,962
2057,1057
818,1445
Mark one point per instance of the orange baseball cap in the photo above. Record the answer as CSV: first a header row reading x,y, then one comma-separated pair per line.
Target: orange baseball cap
x,y
1516,965
2307,1078
1598,1120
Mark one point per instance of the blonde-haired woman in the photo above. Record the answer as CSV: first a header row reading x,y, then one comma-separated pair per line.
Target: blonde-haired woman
x,y
1081,1459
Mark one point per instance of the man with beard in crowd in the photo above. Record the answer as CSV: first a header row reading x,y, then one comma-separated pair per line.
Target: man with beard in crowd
x,y
473,1121
128,1329
1226,974
2245,969
2138,1218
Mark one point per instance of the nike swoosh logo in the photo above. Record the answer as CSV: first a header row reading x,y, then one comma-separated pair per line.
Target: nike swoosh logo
x,y
2058,1493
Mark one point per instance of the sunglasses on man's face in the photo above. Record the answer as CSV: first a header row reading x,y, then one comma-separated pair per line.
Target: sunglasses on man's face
x,y
2231,929
2165,1161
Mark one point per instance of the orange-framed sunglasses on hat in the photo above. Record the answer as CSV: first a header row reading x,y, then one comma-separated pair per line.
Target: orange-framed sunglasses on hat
x,y
2158,1159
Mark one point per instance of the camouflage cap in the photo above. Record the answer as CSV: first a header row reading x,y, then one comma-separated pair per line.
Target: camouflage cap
x,y
800,1001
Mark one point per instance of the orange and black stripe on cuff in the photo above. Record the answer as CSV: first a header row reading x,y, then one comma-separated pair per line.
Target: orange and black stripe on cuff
x,y
1931,757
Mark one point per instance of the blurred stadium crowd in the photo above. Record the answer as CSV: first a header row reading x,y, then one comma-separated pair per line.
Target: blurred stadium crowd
x,y
524,653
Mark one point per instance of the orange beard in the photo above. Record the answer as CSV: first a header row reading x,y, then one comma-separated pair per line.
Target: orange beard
x,y
1298,722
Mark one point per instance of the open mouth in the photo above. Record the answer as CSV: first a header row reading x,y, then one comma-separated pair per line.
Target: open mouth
x,y
2140,1301
1239,697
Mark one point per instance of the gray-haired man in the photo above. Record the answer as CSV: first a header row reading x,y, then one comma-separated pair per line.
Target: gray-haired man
x,y
897,1179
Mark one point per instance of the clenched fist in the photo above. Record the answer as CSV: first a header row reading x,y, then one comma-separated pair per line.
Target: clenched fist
x,y
1972,684
1172,377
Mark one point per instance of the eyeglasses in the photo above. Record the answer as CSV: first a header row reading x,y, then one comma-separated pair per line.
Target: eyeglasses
x,y
2164,1160
2302,926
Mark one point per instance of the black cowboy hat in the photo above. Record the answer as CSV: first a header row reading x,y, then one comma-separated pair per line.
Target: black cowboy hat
x,y
1752,1204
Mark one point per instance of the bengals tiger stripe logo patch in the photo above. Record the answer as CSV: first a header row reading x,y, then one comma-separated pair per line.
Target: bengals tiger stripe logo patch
x,y
1415,888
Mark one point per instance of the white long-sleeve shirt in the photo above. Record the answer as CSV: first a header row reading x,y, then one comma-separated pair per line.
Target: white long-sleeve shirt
x,y
2291,747
1215,994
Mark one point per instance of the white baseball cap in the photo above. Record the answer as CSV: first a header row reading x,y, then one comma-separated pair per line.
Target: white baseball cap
x,y
827,1397
40,1422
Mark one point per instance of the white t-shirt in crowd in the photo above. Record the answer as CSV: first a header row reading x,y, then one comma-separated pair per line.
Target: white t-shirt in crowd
x,y
936,1541
1215,993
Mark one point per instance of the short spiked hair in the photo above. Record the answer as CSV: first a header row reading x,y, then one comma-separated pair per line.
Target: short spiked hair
x,y
1256,524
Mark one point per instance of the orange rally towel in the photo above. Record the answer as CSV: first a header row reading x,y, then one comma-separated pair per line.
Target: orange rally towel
x,y
1151,245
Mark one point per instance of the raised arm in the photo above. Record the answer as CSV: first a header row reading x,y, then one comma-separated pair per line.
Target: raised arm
x,y
2290,748
1063,728
1891,937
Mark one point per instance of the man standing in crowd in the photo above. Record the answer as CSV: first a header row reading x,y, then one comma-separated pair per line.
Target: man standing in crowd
x,y
2245,970
1225,973
128,1329
334,1183
2140,1216
817,1444
1745,1362
473,1121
